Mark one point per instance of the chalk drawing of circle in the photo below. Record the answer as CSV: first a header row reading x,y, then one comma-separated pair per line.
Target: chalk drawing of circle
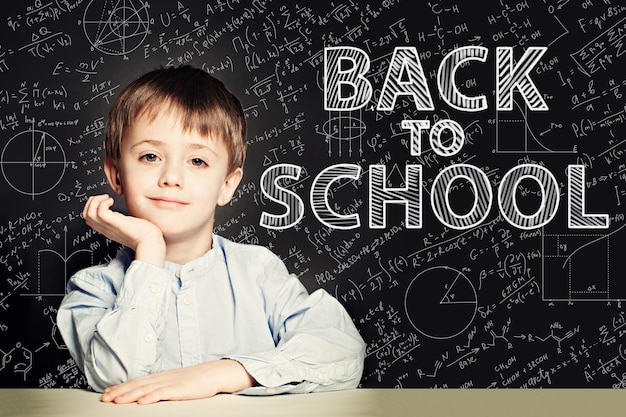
x,y
440,302
344,128
33,162
116,28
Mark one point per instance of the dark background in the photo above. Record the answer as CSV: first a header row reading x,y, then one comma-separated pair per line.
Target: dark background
x,y
493,306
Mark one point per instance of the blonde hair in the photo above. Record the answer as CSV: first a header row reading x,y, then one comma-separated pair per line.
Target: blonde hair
x,y
205,105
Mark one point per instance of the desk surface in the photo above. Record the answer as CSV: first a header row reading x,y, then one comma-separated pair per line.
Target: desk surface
x,y
353,403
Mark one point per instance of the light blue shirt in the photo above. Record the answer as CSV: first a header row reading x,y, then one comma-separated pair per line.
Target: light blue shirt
x,y
129,318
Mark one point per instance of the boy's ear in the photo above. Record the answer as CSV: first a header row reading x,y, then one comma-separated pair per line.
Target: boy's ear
x,y
229,186
113,175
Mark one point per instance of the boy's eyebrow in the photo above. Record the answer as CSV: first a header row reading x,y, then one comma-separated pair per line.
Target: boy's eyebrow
x,y
194,146
202,146
152,142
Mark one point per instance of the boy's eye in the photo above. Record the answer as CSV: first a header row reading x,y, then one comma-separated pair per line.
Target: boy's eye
x,y
198,162
149,157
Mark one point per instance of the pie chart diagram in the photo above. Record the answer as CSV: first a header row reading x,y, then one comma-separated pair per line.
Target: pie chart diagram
x,y
440,302
33,162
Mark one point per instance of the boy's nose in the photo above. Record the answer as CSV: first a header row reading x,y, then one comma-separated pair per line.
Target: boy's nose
x,y
171,176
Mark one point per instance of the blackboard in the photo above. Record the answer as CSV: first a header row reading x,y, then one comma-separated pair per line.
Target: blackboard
x,y
493,304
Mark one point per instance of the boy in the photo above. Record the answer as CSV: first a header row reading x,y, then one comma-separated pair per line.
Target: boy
x,y
182,313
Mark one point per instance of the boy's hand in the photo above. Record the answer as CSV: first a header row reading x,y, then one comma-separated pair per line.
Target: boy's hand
x,y
144,237
200,381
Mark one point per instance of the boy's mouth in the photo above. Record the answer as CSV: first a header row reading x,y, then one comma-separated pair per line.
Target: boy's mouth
x,y
168,202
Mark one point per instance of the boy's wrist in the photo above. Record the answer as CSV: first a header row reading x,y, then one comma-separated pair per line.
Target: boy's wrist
x,y
151,251
235,377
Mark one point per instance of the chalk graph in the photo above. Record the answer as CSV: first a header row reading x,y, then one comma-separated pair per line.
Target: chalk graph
x,y
583,266
514,133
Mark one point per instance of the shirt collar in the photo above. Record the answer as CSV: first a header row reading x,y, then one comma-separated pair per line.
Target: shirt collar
x,y
201,263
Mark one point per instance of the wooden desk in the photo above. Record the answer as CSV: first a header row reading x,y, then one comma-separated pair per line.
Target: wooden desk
x,y
354,403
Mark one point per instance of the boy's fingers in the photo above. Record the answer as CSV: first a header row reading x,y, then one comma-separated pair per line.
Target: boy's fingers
x,y
89,211
104,205
87,207
95,204
132,391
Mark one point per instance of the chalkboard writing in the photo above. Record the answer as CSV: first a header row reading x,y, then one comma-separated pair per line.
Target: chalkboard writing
x,y
454,293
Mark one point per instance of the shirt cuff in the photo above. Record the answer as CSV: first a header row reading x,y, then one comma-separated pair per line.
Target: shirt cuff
x,y
277,374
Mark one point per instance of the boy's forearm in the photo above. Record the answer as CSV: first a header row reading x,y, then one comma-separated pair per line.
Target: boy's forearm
x,y
117,338
194,382
234,376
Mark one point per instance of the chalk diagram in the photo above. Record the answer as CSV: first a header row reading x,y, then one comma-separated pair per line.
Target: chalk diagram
x,y
343,130
583,266
51,263
440,302
514,134
116,27
19,359
36,169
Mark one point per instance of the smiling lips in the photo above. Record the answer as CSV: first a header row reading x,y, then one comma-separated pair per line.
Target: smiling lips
x,y
167,202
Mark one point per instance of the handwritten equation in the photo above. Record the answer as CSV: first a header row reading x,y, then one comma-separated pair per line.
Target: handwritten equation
x,y
489,306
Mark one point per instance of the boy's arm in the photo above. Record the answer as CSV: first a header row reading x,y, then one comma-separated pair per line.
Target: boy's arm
x,y
112,316
193,382
318,347
111,321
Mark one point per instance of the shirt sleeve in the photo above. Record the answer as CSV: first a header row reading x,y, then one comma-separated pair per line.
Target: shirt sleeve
x,y
112,328
318,347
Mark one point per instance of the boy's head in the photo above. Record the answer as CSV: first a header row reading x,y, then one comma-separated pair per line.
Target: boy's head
x,y
202,102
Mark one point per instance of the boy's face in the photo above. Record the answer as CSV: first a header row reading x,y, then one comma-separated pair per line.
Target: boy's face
x,y
173,178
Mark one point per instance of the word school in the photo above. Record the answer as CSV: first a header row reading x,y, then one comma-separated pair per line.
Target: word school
x,y
346,88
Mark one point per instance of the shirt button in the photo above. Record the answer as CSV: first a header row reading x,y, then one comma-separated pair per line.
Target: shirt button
x,y
187,301
323,377
147,338
155,288
177,273
270,391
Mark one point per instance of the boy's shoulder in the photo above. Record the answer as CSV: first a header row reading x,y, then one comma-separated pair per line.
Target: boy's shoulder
x,y
252,262
247,254
247,250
